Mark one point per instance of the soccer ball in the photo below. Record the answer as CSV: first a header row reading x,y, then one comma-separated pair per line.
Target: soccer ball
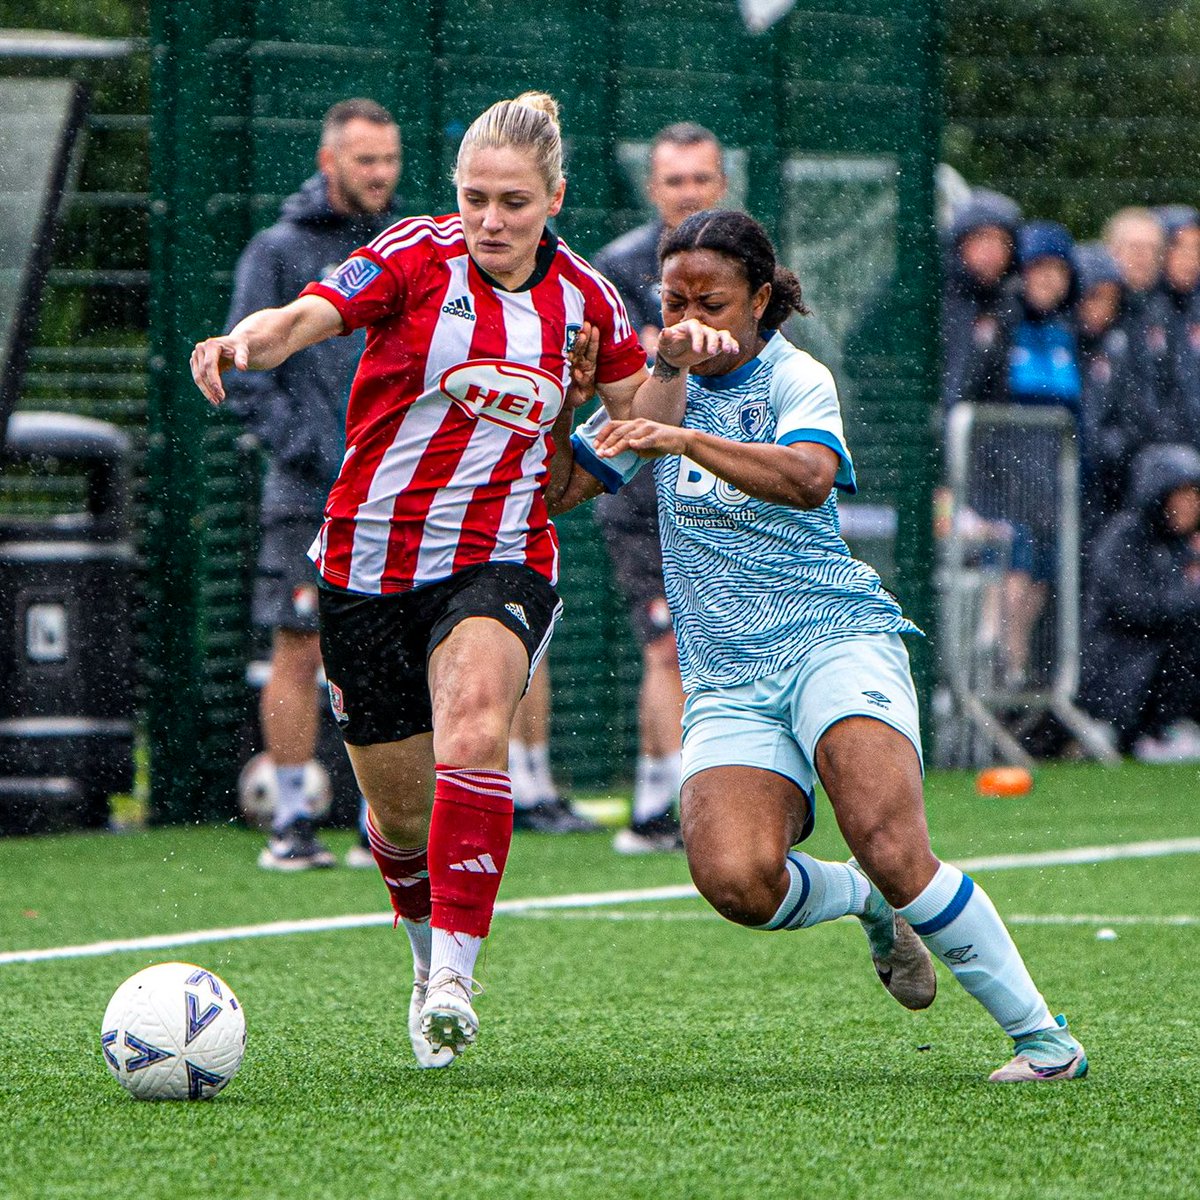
x,y
173,1032
257,791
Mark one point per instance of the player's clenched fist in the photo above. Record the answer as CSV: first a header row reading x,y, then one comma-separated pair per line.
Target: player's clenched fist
x,y
211,357
690,342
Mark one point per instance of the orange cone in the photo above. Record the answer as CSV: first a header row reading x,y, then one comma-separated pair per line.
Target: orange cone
x,y
1004,781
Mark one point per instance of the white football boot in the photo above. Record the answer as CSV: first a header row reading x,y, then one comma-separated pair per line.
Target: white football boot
x,y
448,1021
424,1053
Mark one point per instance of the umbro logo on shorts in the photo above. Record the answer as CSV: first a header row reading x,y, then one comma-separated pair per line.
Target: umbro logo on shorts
x,y
878,699
483,865
518,611
460,308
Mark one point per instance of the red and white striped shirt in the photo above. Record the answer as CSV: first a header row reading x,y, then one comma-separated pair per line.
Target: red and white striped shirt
x,y
448,430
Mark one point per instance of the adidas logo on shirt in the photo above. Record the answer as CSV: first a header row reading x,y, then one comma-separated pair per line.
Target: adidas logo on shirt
x,y
460,308
518,611
483,865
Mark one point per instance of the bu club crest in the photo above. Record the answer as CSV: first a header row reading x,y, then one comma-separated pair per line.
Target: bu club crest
x,y
753,417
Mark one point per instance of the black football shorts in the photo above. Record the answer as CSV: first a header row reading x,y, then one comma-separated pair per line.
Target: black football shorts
x,y
376,648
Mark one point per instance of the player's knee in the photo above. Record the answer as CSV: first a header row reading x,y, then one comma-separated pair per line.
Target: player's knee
x,y
402,819
741,890
295,658
894,858
474,736
661,654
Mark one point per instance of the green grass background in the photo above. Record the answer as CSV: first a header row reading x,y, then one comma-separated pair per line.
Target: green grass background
x,y
663,1054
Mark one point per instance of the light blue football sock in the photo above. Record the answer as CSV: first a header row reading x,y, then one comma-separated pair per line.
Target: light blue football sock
x,y
954,917
818,891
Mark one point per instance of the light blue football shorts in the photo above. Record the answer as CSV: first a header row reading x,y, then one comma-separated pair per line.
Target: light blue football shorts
x,y
776,722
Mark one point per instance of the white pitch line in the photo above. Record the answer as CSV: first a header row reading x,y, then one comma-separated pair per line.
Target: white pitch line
x,y
1080,855
657,914
1097,919
195,937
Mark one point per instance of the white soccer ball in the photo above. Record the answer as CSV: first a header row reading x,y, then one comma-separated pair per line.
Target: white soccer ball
x,y
258,791
173,1032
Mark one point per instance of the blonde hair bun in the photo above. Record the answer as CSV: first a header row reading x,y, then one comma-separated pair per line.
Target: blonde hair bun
x,y
542,102
529,123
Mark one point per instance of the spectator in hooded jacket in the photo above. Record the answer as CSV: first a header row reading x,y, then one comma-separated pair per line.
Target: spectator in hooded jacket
x,y
1142,654
979,300
298,412
1178,419
1016,468
1135,238
1105,379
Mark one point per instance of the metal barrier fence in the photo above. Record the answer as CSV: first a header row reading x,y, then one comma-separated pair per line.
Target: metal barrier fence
x,y
1009,583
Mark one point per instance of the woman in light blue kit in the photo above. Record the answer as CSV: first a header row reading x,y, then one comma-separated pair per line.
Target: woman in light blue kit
x,y
790,649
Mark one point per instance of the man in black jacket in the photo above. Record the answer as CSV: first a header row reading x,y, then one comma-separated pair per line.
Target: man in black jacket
x,y
298,413
1142,623
687,175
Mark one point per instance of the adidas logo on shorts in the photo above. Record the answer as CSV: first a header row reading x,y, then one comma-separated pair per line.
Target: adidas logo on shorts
x,y
460,308
518,611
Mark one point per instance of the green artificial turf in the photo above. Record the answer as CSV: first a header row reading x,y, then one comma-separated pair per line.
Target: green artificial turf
x,y
642,1050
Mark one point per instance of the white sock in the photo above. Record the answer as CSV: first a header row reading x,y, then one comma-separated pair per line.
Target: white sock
x,y
421,937
955,919
539,771
524,791
656,785
290,800
818,891
458,951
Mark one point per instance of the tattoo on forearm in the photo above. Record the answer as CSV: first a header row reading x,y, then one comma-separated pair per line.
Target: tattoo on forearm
x,y
664,371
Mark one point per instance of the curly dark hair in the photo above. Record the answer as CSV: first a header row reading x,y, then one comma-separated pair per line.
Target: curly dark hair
x,y
743,239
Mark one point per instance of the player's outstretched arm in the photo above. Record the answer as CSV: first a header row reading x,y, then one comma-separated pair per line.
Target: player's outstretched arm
x,y
263,340
800,475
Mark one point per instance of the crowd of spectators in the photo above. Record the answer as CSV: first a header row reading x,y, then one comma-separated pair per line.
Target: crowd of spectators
x,y
1109,331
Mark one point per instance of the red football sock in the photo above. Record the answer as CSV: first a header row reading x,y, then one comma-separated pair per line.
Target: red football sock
x,y
406,873
469,836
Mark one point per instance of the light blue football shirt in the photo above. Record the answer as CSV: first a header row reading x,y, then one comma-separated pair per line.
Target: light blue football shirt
x,y
752,584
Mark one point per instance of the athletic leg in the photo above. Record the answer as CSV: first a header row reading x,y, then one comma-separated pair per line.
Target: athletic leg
x,y
872,775
288,717
538,806
396,779
476,677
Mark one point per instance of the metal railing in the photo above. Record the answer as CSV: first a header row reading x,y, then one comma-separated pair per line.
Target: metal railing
x,y
1009,581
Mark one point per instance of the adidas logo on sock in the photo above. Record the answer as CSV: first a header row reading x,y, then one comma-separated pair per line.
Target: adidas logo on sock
x,y
483,865
460,308
518,611
408,880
